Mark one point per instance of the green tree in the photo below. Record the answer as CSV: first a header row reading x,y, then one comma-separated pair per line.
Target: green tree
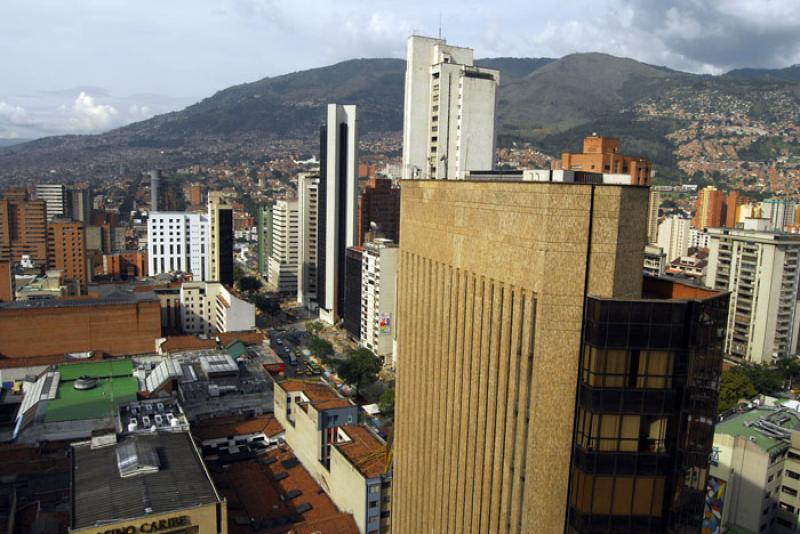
x,y
359,367
735,385
766,380
321,348
790,371
248,283
314,328
386,402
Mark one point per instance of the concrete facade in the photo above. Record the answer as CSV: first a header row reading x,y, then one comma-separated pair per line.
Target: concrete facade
x,y
673,237
308,204
178,241
449,111
491,293
282,264
209,308
761,269
379,266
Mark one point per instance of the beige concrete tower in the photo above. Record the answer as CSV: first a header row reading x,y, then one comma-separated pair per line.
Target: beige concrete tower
x,y
492,282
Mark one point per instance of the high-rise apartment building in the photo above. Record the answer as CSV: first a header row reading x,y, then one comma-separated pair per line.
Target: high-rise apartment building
x,y
155,190
601,154
79,204
379,210
761,270
673,237
379,267
652,215
308,203
542,386
23,228
449,109
67,251
178,242
220,238
780,213
196,194
264,237
55,195
283,262
337,223
714,210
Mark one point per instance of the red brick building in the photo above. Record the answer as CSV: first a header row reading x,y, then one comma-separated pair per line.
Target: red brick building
x,y
379,203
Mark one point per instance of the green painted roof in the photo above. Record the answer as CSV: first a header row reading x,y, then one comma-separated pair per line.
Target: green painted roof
x,y
235,348
735,426
103,369
115,385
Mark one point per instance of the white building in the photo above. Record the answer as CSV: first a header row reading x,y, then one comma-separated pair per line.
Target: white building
x,y
655,260
449,111
55,198
761,269
780,213
379,263
283,262
673,237
178,241
698,238
338,210
308,204
209,308
653,205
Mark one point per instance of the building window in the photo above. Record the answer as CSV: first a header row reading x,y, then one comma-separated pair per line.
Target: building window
x,y
789,491
792,474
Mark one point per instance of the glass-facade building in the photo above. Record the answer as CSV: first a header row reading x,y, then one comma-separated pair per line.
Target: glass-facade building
x,y
644,419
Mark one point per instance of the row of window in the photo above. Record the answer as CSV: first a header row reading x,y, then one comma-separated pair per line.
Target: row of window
x,y
621,495
609,368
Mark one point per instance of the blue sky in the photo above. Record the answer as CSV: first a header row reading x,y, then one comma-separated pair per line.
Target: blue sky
x,y
82,66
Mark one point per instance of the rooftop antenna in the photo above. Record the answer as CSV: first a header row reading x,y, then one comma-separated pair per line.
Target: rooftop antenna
x,y
440,25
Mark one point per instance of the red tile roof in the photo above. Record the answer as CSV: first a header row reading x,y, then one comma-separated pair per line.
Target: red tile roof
x,y
221,427
366,452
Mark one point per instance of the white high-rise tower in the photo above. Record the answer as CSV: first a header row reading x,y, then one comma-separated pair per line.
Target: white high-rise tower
x,y
448,115
338,207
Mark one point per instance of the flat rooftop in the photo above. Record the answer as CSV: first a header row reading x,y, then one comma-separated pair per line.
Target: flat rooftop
x,y
100,495
116,298
748,424
115,385
366,452
320,395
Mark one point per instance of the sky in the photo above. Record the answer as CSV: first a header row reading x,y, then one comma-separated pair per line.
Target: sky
x,y
85,66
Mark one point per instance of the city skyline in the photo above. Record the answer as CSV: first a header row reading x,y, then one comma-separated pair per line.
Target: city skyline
x,y
143,62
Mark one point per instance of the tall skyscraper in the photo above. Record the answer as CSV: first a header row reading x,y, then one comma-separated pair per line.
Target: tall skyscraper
x,y
67,251
542,386
673,237
308,202
220,234
155,190
178,241
79,204
448,114
338,199
23,228
55,195
652,215
283,262
710,211
351,312
379,204
761,269
264,229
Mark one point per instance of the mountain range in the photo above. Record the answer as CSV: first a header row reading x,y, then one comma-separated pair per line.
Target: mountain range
x,y
551,103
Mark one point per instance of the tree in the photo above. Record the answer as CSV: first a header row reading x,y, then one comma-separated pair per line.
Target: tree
x,y
248,283
766,380
314,328
321,348
359,367
386,402
789,369
735,385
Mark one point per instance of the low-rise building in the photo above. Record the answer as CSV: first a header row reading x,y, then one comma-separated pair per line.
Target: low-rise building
x,y
144,483
655,260
209,308
747,486
348,460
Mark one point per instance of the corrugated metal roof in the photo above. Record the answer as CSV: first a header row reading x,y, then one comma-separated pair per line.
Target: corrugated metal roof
x,y
100,494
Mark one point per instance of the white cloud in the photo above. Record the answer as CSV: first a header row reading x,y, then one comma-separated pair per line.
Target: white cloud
x,y
137,112
87,116
13,114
